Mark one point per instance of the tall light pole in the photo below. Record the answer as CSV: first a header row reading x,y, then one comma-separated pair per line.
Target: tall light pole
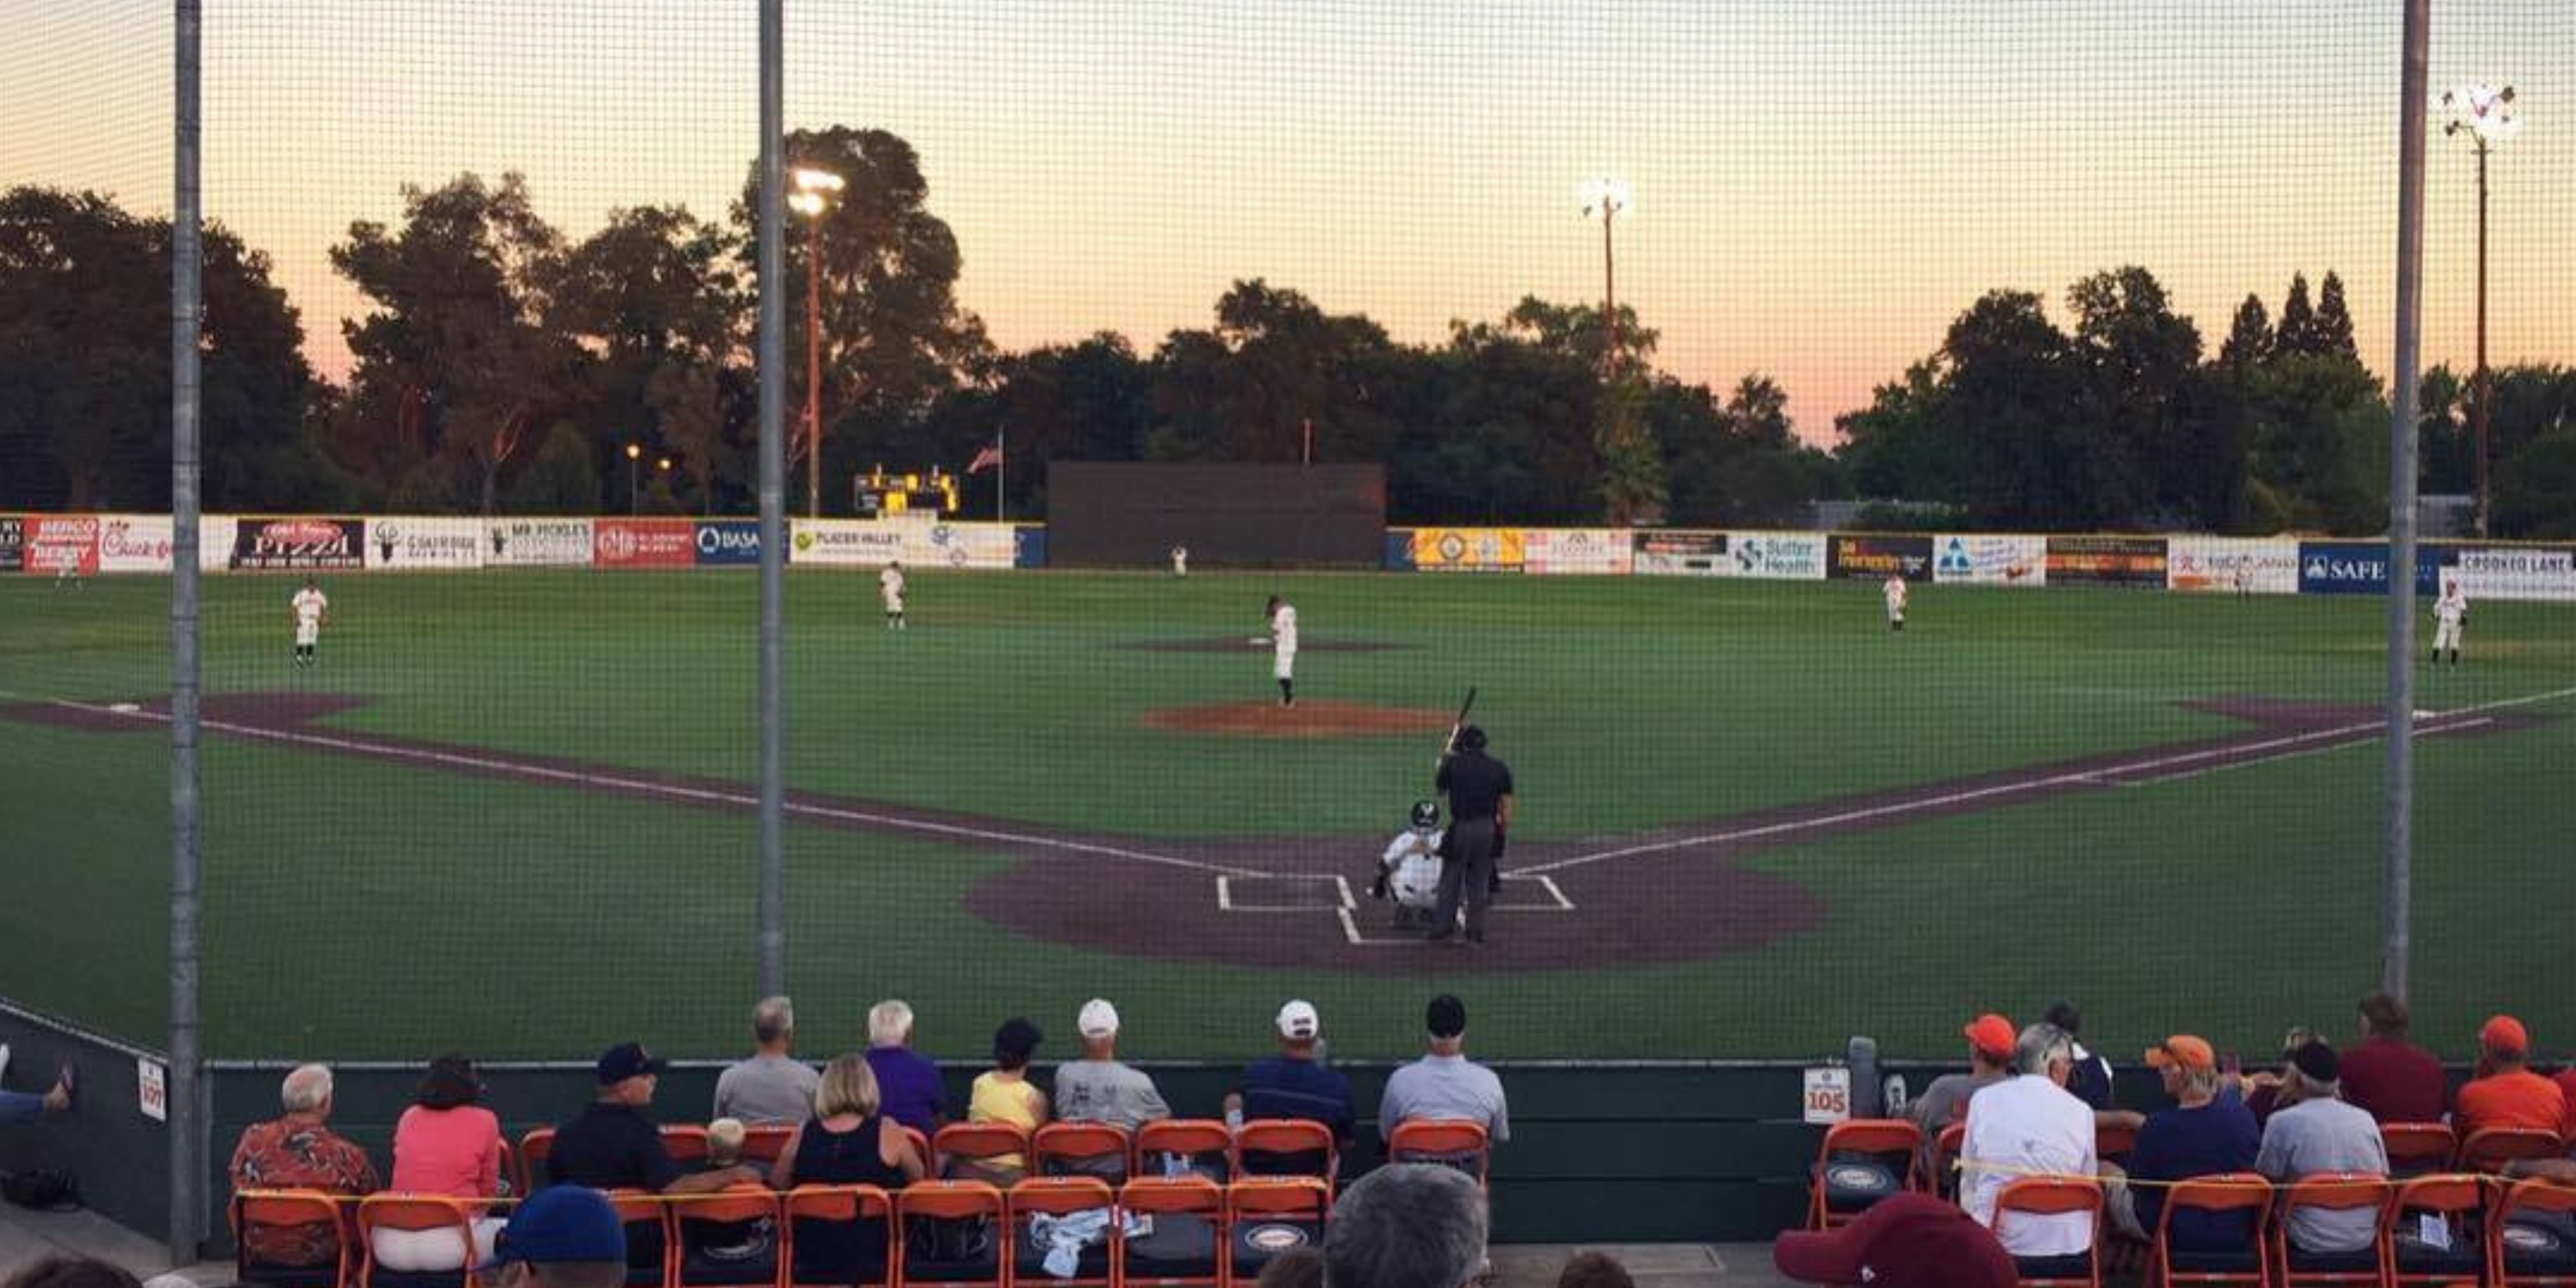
x,y
634,460
2480,110
1607,199
813,196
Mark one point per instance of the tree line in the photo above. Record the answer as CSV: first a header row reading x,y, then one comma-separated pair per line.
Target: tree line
x,y
502,367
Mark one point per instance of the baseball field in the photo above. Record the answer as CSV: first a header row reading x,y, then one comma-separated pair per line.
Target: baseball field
x,y
512,812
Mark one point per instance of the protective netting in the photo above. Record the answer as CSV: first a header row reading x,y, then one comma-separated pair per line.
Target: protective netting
x,y
1894,288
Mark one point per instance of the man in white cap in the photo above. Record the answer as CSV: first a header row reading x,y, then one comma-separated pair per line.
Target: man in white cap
x,y
1296,1083
1098,1088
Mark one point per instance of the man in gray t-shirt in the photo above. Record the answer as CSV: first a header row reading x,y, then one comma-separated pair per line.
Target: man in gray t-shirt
x,y
2318,1132
1444,1083
771,1086
1097,1088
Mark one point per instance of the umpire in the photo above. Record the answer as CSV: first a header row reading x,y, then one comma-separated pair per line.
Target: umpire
x,y
1479,788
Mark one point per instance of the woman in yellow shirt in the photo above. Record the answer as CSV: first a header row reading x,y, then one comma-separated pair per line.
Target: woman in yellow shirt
x,y
1004,1094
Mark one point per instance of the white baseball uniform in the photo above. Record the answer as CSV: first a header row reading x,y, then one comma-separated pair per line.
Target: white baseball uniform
x,y
1283,642
2448,612
890,589
1180,561
1412,864
1894,589
309,604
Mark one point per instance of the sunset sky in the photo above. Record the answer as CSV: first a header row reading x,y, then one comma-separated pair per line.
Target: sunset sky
x,y
1821,185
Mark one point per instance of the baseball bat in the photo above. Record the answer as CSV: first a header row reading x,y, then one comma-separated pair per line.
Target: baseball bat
x,y
1450,747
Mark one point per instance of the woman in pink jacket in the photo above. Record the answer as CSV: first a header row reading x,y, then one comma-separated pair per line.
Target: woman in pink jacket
x,y
445,1144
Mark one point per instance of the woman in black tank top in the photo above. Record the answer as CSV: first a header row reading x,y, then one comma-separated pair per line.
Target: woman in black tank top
x,y
848,1142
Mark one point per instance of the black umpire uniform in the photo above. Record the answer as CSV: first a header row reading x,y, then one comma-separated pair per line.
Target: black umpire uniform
x,y
1479,789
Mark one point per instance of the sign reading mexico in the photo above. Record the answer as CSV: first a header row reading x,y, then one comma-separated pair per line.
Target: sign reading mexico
x,y
400,544
2107,561
1576,550
270,544
1878,558
1786,556
1990,560
134,543
538,543
2225,565
1469,549
62,544
644,543
2517,573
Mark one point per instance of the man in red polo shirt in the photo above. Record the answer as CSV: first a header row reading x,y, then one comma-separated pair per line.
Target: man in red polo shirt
x,y
2397,1081
2506,1093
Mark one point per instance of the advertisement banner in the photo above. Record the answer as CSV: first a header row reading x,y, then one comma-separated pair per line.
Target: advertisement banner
x,y
1575,550
860,543
403,544
1971,559
1468,549
13,543
972,545
215,541
2227,565
1860,558
2107,561
1399,550
134,543
537,543
1785,556
62,543
1678,554
728,543
2361,567
2520,572
1029,547
644,543
264,545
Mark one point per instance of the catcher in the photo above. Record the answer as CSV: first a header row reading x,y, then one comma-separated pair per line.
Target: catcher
x,y
1409,872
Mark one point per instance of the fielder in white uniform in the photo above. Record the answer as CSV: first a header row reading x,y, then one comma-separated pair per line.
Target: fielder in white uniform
x,y
1180,561
2449,612
1283,649
890,589
1409,873
310,607
1894,589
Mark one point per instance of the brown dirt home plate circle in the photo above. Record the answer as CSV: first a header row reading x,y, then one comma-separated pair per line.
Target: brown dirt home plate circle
x,y
1310,718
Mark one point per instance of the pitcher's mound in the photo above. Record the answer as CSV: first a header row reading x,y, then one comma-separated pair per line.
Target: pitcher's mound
x,y
1310,718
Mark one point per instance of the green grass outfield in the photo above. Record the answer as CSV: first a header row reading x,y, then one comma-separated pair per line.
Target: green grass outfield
x,y
361,908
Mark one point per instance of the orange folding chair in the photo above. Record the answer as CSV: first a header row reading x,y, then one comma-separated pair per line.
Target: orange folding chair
x,y
1286,1147
2113,1143
297,1210
1944,1180
1185,1248
1268,1215
2415,1149
1082,1149
835,1236
415,1212
534,1149
1098,1265
2037,1196
2489,1150
764,1143
1201,1145
648,1236
2528,1255
687,1145
1858,1163
2244,1192
1451,1142
729,1237
951,1232
2333,1192
513,1178
2451,1210
980,1146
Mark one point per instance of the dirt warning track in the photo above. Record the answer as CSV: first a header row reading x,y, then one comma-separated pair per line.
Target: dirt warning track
x,y
1673,894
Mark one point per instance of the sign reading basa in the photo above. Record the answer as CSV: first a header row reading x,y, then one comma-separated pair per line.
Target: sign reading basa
x,y
644,543
261,545
1469,549
1679,554
134,543
1575,550
1877,558
537,543
62,543
2361,567
13,543
1990,560
2216,565
2107,561
399,543
2518,572
1782,556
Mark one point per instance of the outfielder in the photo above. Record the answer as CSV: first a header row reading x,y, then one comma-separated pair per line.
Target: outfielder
x,y
1894,589
310,606
1283,649
2449,612
1409,872
1180,561
890,589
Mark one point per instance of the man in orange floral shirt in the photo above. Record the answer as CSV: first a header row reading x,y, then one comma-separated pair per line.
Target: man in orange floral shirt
x,y
299,1152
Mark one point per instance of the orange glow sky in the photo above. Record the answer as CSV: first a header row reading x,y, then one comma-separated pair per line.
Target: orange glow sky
x,y
1821,185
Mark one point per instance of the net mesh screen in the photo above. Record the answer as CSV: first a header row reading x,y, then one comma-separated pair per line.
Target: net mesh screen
x,y
1882,288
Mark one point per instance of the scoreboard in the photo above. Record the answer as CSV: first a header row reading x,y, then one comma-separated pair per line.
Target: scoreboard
x,y
893,495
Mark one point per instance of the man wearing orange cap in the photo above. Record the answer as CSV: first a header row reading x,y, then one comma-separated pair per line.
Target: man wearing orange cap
x,y
2505,1092
1945,1101
2205,1135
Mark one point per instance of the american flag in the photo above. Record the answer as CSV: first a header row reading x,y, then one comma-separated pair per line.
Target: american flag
x,y
988,458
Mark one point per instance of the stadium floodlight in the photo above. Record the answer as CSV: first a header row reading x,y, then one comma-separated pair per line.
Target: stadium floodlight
x,y
813,196
634,458
1606,199
2479,111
